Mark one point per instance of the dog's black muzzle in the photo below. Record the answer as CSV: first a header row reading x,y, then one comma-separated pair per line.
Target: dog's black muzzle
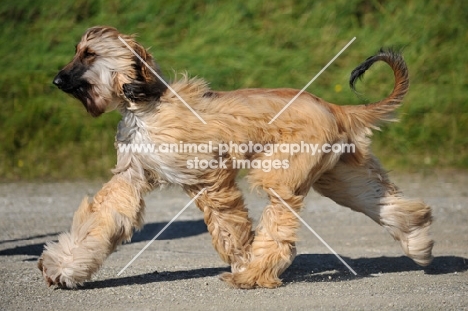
x,y
70,77
67,82
58,81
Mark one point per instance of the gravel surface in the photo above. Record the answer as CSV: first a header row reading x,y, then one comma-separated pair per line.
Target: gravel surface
x,y
179,271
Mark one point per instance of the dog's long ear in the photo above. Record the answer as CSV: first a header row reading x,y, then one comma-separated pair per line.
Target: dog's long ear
x,y
148,83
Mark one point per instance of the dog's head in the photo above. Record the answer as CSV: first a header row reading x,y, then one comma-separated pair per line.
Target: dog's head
x,y
105,73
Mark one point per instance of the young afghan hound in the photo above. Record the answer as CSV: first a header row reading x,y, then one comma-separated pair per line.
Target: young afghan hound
x,y
105,75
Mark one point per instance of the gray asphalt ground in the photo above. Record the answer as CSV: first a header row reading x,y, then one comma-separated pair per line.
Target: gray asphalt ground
x,y
179,271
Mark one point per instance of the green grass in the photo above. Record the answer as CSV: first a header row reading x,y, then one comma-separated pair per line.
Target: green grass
x,y
47,135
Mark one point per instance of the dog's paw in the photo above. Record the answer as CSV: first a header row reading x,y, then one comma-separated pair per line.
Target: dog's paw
x,y
247,280
237,280
64,264
52,270
50,277
269,283
418,246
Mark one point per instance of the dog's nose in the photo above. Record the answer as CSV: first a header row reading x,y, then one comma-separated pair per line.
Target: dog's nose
x,y
58,81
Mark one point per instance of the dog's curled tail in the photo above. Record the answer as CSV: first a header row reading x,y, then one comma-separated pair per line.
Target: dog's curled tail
x,y
382,110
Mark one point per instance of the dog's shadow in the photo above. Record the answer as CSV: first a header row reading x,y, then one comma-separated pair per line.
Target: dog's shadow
x,y
305,268
327,268
177,230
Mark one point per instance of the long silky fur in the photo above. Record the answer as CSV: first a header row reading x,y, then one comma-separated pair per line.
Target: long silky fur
x,y
153,114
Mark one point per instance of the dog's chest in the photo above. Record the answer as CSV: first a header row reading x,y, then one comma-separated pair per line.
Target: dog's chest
x,y
137,150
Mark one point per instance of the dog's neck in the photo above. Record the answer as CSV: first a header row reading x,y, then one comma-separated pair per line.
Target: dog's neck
x,y
130,128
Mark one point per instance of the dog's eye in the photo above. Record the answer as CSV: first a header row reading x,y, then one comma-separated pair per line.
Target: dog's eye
x,y
88,53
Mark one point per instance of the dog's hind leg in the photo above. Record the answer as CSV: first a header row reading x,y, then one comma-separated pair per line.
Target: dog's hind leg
x,y
273,248
226,218
98,228
367,189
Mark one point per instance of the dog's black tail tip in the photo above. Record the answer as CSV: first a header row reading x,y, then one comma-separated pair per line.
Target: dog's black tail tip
x,y
390,55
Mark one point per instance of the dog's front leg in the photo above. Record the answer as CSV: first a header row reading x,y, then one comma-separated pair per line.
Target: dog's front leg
x,y
227,220
98,228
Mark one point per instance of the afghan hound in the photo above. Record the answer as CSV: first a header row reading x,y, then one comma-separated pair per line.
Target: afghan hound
x,y
111,71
